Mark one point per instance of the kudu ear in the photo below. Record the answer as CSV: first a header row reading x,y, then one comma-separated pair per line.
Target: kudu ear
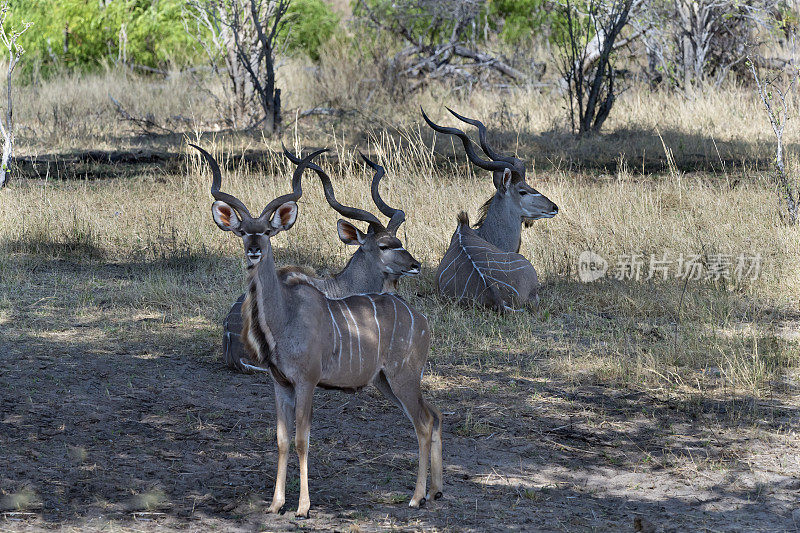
x,y
284,217
505,181
225,217
349,234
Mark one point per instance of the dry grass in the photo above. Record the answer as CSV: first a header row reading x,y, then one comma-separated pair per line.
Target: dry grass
x,y
726,337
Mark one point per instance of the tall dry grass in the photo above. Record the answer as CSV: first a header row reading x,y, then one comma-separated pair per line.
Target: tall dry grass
x,y
656,333
716,129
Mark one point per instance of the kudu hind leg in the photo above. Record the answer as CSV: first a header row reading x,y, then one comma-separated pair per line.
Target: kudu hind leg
x,y
284,413
437,483
382,384
413,405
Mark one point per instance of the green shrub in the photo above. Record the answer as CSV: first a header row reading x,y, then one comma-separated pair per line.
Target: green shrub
x,y
521,19
311,24
86,33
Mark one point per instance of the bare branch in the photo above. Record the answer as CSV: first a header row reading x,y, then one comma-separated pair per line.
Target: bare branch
x,y
146,125
778,114
586,59
245,35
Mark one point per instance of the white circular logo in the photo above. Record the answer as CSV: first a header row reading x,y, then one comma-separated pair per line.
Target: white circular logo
x,y
591,267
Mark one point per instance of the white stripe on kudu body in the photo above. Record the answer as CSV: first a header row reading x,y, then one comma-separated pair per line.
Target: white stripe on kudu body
x,y
473,270
363,356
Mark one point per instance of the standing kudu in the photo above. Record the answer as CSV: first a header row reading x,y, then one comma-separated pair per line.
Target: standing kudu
x,y
483,264
375,267
307,340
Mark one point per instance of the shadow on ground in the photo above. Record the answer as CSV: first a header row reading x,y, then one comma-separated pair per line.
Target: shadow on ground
x,y
639,151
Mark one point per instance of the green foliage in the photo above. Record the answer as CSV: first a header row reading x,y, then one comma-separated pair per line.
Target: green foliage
x,y
88,33
84,33
311,23
521,19
431,21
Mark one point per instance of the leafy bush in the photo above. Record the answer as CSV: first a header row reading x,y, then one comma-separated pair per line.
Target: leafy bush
x,y
86,33
521,19
81,33
311,24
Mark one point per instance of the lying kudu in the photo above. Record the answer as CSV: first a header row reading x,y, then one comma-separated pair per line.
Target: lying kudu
x,y
483,264
375,267
307,340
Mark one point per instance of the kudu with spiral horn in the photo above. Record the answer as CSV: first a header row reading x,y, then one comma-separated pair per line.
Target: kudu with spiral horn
x,y
514,201
306,340
483,264
375,267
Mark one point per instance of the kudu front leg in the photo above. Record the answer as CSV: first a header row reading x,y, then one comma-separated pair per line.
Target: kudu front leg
x,y
284,412
303,411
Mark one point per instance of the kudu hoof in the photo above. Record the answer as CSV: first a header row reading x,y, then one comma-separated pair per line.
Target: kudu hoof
x,y
419,504
438,495
273,510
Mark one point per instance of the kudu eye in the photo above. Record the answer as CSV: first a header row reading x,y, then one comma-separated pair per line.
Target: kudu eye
x,y
523,192
383,246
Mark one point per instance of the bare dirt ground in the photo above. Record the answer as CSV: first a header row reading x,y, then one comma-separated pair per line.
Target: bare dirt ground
x,y
111,420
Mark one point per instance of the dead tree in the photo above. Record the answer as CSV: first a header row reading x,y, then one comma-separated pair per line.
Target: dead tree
x,y
773,90
243,35
440,36
698,40
10,40
586,47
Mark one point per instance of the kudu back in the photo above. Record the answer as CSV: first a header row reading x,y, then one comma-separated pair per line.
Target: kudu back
x,y
305,340
482,265
376,266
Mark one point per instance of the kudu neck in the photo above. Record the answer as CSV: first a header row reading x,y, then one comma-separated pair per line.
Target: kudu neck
x,y
360,275
264,277
502,226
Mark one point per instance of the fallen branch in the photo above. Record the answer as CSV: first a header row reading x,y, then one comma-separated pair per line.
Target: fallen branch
x,y
147,125
323,111
489,61
771,63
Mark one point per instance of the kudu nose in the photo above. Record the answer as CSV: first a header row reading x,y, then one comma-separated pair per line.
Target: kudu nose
x,y
253,251
555,209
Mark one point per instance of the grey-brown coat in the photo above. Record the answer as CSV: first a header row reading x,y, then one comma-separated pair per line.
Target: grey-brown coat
x,y
375,267
472,270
